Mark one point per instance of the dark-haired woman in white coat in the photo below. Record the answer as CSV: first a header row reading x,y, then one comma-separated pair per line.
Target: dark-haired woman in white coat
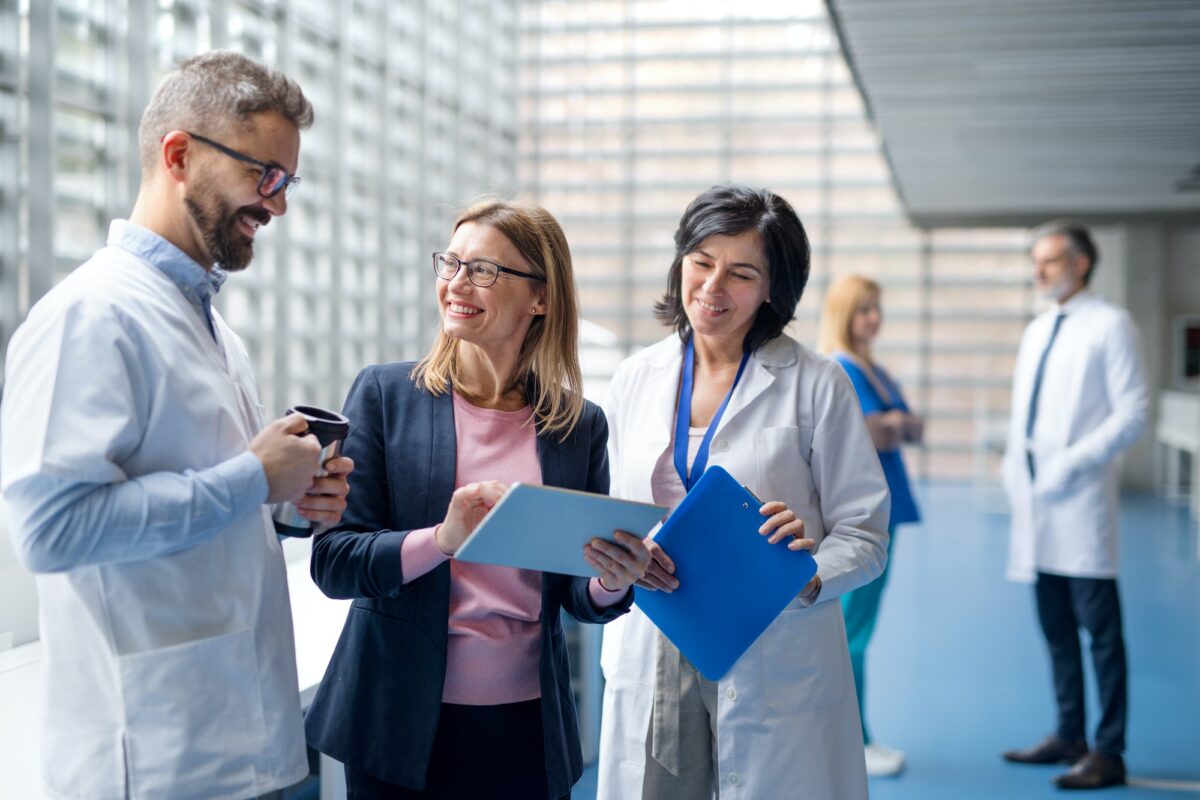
x,y
784,721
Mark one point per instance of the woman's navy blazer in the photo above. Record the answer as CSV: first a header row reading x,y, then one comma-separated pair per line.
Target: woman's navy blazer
x,y
377,707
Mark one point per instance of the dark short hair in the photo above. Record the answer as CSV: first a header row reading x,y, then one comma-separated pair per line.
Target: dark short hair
x,y
730,210
1079,239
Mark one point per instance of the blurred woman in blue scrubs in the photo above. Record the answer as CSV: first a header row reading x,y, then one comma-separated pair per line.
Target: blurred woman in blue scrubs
x,y
849,324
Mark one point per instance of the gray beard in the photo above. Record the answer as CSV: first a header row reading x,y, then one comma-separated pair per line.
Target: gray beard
x,y
219,232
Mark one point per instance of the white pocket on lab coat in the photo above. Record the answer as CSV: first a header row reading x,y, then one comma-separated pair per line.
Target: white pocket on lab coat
x,y
783,455
192,706
803,654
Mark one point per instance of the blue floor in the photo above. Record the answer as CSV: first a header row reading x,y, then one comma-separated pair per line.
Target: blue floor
x,y
958,670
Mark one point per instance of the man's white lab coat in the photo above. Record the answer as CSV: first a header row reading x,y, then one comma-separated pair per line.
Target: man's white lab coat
x,y
1091,407
172,676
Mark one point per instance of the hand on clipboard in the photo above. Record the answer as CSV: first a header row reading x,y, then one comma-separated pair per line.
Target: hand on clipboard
x,y
731,584
782,523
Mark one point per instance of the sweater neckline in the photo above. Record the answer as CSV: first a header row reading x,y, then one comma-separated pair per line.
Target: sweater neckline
x,y
520,415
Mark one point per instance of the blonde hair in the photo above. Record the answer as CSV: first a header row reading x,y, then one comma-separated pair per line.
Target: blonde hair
x,y
547,370
842,299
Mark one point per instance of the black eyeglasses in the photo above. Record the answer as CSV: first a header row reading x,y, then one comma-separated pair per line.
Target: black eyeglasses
x,y
274,177
481,272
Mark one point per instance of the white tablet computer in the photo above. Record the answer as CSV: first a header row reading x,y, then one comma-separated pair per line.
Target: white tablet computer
x,y
545,528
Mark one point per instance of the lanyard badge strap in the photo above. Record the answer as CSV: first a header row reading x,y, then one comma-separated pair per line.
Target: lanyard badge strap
x,y
683,417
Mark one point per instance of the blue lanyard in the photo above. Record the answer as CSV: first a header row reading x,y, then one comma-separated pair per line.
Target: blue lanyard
x,y
683,418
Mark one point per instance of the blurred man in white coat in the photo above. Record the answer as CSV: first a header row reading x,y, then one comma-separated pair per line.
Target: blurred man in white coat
x,y
137,466
1079,400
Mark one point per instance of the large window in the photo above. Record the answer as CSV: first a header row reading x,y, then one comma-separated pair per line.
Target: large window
x,y
612,114
416,113
632,108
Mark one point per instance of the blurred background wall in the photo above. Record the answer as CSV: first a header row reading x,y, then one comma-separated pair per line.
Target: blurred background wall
x,y
918,140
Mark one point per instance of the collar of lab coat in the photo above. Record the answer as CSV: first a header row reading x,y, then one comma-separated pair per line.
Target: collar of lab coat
x,y
198,284
667,356
1077,301
778,352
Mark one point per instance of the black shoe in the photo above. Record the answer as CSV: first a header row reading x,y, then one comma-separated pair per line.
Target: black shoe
x,y
1051,750
1093,771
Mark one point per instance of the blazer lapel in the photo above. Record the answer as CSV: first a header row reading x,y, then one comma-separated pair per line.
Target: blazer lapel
x,y
550,456
551,453
443,456
443,469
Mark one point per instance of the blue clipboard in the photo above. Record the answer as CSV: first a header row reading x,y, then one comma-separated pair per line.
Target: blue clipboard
x,y
732,582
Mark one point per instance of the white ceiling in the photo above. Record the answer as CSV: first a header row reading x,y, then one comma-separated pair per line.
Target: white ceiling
x,y
1009,111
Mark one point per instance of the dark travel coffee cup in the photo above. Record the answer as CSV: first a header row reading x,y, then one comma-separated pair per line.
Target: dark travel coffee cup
x,y
330,429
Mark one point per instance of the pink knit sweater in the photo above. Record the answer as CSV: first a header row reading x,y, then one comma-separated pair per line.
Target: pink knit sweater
x,y
495,612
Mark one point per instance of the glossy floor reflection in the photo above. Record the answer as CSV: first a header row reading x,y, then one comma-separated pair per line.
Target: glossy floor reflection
x,y
958,670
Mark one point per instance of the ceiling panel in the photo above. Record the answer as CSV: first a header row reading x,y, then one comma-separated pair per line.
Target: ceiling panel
x,y
1008,111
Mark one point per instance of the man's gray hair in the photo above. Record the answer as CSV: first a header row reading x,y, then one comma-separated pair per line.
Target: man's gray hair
x,y
1079,240
212,92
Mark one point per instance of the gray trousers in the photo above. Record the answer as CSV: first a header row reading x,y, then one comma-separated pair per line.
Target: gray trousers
x,y
692,742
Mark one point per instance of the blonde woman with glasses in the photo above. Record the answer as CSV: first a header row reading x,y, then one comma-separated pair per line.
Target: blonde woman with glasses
x,y
849,325
451,679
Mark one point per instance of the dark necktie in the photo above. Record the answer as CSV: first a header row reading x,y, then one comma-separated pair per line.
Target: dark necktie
x,y
1031,417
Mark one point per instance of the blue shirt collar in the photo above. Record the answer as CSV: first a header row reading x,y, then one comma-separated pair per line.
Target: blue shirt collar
x,y
197,284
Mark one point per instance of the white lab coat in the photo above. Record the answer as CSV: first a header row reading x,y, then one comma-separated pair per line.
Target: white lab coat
x,y
175,676
787,717
1092,406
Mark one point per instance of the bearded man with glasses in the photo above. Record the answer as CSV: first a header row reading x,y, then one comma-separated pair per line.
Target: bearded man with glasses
x,y
138,467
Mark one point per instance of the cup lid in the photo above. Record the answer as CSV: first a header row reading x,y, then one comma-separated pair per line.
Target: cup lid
x,y
327,425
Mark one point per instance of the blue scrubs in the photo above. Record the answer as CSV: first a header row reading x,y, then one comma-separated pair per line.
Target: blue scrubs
x,y
861,606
